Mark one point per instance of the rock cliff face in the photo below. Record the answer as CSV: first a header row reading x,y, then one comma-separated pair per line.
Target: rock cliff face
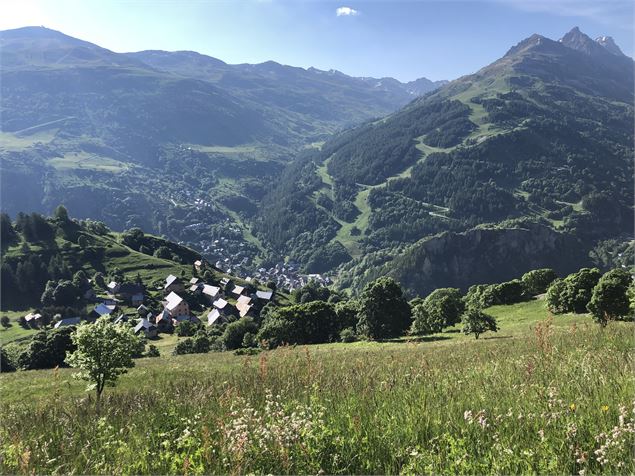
x,y
484,256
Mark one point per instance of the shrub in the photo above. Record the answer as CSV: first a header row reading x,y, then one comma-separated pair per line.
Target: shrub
x,y
186,329
509,292
442,308
201,343
235,332
153,351
311,323
250,340
573,293
425,322
47,349
348,335
538,280
6,365
609,300
186,346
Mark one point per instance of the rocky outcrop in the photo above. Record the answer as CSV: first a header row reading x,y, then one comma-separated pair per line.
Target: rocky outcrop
x,y
484,256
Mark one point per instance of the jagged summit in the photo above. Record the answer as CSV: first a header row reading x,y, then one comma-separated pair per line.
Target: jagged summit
x,y
577,40
608,43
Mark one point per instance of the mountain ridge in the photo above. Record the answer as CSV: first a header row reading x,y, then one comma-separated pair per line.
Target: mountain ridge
x,y
541,133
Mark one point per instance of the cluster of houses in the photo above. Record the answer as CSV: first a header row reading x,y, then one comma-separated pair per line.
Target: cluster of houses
x,y
288,276
226,302
177,310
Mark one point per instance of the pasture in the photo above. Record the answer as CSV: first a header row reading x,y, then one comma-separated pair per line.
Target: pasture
x,y
543,395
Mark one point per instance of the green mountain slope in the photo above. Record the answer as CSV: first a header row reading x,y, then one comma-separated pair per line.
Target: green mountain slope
x,y
543,133
178,143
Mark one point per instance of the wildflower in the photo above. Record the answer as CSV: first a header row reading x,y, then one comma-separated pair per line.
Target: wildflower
x,y
572,407
605,408
572,430
541,434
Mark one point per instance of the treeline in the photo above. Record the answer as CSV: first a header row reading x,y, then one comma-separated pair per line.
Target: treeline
x,y
56,248
321,315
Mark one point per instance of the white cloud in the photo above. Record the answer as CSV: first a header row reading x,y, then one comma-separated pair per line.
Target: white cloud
x,y
346,12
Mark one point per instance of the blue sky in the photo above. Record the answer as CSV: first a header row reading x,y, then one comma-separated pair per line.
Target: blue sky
x,y
403,39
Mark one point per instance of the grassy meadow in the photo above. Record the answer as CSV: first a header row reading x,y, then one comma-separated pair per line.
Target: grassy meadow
x,y
546,396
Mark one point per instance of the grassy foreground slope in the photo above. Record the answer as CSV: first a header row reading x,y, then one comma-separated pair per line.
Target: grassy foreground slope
x,y
548,399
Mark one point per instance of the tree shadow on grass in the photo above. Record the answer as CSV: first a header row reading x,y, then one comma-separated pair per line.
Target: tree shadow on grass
x,y
406,340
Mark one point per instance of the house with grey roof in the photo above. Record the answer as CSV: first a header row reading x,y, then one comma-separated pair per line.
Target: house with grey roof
x,y
69,321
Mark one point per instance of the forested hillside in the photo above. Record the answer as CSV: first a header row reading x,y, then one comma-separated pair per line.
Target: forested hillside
x,y
177,143
543,134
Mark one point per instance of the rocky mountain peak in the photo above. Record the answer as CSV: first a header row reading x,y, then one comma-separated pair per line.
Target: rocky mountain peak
x,y
609,44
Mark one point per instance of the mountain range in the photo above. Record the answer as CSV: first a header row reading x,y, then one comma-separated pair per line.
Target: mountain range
x,y
525,163
536,148
164,140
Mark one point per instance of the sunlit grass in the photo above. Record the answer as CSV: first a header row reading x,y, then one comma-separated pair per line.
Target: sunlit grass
x,y
543,401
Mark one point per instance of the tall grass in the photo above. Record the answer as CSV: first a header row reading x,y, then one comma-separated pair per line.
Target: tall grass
x,y
551,402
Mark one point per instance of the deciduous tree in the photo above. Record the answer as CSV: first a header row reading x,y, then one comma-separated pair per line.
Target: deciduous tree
x,y
104,352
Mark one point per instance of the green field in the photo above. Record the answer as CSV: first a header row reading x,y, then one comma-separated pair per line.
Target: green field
x,y
86,161
540,396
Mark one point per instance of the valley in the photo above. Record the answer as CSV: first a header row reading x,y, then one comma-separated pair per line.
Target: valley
x,y
255,267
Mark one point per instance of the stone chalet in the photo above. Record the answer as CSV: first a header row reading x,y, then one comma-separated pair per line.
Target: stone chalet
x,y
176,305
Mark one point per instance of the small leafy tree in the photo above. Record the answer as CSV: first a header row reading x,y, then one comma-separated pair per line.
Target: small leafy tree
x,y
573,293
104,352
235,332
425,322
186,329
442,308
610,297
476,322
538,280
5,322
384,312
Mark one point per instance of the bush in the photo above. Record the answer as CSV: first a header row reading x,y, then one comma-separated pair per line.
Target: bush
x,y
538,280
610,299
235,332
6,365
573,293
153,351
347,313
47,349
480,296
311,323
348,335
186,346
250,340
509,292
442,308
186,329
425,322
201,343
